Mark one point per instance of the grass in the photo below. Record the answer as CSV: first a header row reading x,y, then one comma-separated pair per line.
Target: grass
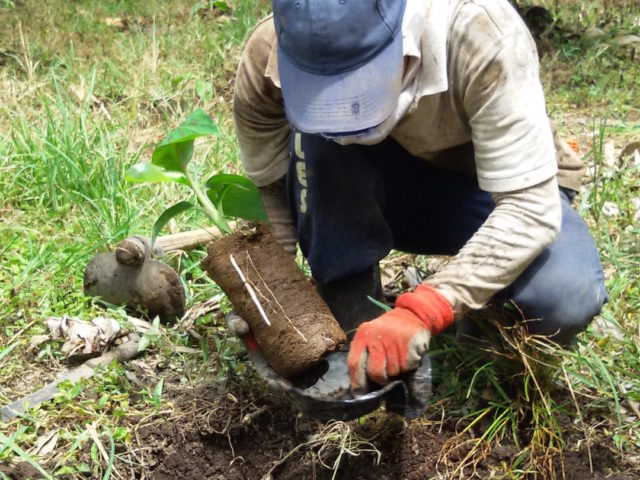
x,y
523,389
87,88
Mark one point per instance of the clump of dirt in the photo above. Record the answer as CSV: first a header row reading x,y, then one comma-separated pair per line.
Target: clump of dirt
x,y
302,329
225,432
20,471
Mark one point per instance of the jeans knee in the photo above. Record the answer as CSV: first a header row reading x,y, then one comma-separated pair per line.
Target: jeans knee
x,y
563,289
562,309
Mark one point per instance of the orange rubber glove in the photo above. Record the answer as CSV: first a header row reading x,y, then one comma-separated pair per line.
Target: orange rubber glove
x,y
395,342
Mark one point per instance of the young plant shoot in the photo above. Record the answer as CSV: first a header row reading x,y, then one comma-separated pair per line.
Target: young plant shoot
x,y
221,197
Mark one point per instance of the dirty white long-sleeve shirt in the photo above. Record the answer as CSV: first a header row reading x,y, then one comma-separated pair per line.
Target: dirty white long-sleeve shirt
x,y
478,82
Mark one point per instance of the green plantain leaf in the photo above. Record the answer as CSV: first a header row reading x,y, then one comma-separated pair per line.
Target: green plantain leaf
x,y
235,196
167,215
173,157
198,124
147,172
175,151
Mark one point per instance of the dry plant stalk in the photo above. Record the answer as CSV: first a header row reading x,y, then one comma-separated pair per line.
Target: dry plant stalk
x,y
479,450
334,436
28,66
545,445
529,349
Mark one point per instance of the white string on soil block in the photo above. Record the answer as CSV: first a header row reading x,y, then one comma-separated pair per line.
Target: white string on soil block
x,y
249,288
275,299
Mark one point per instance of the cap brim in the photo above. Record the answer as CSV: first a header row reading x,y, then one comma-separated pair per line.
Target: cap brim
x,y
347,102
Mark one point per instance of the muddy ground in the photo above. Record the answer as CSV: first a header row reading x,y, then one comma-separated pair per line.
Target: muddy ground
x,y
238,429
235,431
239,432
232,432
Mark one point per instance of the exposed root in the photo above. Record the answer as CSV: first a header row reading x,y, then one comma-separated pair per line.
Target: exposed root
x,y
335,437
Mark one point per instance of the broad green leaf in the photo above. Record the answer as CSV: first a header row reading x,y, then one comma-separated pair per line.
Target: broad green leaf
x,y
173,156
143,344
151,336
176,150
198,124
75,390
180,78
148,172
121,433
167,215
94,453
204,89
236,196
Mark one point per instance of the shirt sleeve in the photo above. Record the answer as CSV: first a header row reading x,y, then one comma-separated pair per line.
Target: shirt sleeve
x,y
522,224
258,112
503,99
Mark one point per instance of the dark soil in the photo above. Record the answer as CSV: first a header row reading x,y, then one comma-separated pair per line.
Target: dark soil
x,y
210,440
302,327
237,430
20,471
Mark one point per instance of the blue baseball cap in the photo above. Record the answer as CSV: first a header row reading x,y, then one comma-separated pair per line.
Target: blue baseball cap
x,y
340,62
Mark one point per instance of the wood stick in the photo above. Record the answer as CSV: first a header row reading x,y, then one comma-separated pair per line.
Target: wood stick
x,y
123,352
191,239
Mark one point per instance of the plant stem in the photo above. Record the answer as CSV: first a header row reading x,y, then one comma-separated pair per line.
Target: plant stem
x,y
208,207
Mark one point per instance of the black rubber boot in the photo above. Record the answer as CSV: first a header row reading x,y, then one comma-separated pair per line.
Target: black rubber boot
x,y
347,298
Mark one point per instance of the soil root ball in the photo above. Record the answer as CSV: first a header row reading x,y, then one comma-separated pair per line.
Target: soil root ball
x,y
302,329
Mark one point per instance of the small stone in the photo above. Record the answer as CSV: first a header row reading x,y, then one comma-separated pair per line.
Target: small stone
x,y
628,40
593,33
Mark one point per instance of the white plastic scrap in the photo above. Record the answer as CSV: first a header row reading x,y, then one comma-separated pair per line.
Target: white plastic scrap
x,y
610,209
83,337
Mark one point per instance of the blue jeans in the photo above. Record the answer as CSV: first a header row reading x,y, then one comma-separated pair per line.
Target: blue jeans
x,y
353,204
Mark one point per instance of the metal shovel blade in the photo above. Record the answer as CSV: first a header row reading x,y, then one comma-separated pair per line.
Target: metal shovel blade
x,y
330,396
